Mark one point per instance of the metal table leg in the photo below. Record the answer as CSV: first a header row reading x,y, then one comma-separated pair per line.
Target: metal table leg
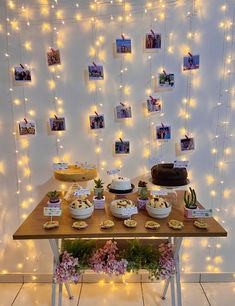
x,y
56,254
177,272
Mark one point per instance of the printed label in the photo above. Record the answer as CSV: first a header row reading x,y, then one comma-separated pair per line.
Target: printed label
x,y
129,211
181,163
113,171
80,192
201,213
159,192
60,166
52,211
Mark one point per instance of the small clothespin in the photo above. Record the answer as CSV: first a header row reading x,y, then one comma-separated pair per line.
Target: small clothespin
x,y
96,114
162,125
186,136
52,50
190,54
164,71
94,64
151,98
152,32
121,140
21,66
122,104
55,117
26,121
123,37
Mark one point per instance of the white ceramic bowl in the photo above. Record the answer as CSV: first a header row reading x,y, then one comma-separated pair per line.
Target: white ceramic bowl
x,y
122,213
158,213
81,213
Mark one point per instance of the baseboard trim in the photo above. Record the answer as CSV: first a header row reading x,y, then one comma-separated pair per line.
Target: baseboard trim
x,y
91,277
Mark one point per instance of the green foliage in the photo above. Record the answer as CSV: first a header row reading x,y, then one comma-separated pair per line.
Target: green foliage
x,y
143,193
190,200
99,183
53,194
142,184
141,256
100,194
81,249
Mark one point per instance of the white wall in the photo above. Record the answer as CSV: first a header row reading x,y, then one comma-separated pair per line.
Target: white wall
x,y
79,143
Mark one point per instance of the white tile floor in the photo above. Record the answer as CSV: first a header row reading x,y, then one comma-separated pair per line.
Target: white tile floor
x,y
132,294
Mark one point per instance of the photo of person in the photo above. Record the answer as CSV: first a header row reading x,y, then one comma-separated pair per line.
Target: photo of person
x,y
191,62
187,144
123,112
97,122
122,147
96,72
123,45
27,128
53,57
154,105
22,74
57,124
166,80
153,41
163,132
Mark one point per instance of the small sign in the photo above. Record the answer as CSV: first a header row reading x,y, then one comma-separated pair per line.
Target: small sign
x,y
60,166
159,192
201,213
80,192
113,171
129,211
52,211
181,163
84,165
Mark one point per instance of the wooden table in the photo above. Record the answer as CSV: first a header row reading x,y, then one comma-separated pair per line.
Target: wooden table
x,y
32,228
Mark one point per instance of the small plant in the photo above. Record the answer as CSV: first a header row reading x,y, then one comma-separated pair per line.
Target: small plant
x,y
142,184
54,196
190,200
99,183
143,190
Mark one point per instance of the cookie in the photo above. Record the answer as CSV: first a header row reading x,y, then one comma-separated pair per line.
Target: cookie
x,y
200,224
106,224
51,224
80,224
130,223
152,225
175,224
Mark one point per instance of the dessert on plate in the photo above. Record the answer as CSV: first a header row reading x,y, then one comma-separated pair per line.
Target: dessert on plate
x,y
121,184
79,224
152,225
107,224
76,173
130,223
200,224
175,224
51,224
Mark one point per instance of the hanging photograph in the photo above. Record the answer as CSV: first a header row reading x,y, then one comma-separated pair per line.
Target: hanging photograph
x,y
123,112
22,74
153,41
191,62
123,45
57,124
122,147
187,144
96,72
154,105
97,122
27,128
53,57
166,80
163,132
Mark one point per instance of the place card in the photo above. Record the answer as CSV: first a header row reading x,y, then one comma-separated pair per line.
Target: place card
x,y
60,166
129,211
82,191
202,213
159,192
113,171
181,163
52,211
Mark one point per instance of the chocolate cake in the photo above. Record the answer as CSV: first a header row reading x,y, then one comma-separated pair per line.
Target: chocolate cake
x,y
167,175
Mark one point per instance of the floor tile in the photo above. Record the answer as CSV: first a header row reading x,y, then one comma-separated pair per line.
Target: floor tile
x,y
8,293
220,294
114,294
192,294
40,295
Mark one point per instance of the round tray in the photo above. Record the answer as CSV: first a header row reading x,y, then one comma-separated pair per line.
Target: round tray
x,y
121,191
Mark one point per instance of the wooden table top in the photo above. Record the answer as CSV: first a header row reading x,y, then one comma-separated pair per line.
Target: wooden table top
x,y
32,228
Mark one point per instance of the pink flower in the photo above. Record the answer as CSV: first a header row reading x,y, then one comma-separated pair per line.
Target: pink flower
x,y
67,269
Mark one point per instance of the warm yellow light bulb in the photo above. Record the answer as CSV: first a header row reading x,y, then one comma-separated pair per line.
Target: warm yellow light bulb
x,y
46,27
28,46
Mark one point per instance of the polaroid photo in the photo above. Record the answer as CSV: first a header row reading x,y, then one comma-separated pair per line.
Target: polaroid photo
x,y
57,124
96,72
123,112
163,132
53,57
97,122
191,62
166,80
122,147
123,45
153,41
27,128
187,144
154,105
22,75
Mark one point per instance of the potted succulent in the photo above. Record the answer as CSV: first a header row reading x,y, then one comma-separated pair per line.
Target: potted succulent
x,y
54,198
190,200
142,195
99,198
